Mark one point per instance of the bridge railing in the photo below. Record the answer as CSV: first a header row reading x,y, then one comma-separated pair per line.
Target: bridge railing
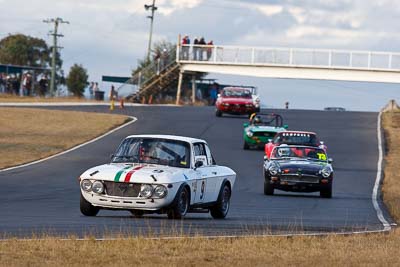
x,y
288,57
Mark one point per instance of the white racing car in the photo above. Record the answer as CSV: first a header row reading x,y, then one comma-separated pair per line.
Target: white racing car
x,y
158,174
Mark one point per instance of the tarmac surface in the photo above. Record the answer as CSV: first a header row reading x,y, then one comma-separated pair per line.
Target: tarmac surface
x,y
43,199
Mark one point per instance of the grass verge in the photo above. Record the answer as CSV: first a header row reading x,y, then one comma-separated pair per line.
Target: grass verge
x,y
29,134
334,250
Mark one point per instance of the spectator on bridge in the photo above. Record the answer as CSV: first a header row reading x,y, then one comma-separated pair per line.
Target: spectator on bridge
x,y
287,104
185,47
195,48
201,49
210,45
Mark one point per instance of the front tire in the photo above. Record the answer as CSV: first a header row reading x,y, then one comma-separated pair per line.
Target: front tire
x,y
137,213
246,146
218,113
268,188
220,210
88,209
326,192
181,205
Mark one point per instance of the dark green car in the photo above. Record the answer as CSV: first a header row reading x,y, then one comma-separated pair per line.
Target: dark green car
x,y
261,128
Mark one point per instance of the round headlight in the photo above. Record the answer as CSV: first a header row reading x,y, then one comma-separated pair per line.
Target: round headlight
x,y
249,133
273,169
160,191
146,190
326,171
98,187
86,185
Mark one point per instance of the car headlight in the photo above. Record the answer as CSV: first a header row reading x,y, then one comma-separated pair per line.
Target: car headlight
x,y
160,191
86,185
249,133
146,190
249,105
225,104
98,187
273,169
326,171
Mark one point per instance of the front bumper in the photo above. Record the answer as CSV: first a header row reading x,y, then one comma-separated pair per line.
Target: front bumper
x,y
236,109
255,141
130,203
300,184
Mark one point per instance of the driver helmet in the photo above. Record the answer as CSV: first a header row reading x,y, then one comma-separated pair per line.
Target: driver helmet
x,y
283,151
257,120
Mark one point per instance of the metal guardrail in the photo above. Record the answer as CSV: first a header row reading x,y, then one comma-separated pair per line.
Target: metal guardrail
x,y
289,57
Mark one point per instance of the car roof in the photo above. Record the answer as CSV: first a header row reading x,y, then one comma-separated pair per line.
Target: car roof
x,y
298,132
169,137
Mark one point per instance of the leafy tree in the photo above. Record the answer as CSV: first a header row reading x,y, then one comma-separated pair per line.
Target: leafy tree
x,y
77,80
24,50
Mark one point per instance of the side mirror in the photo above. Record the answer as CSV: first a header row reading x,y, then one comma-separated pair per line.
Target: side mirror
x,y
330,160
285,126
111,156
246,124
321,142
265,158
198,164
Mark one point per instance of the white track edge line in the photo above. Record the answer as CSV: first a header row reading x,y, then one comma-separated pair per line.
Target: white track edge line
x,y
375,195
133,119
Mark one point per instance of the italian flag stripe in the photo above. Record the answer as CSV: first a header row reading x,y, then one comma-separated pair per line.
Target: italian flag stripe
x,y
119,173
129,174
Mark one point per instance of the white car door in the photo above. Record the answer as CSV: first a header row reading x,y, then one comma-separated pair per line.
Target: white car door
x,y
206,182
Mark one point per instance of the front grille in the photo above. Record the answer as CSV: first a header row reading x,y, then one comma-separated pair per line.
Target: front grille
x,y
122,189
300,179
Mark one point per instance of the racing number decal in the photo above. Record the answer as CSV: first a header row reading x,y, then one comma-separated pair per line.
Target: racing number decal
x,y
203,187
321,156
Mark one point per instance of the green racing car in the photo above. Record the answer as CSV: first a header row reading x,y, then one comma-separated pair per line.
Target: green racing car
x,y
261,128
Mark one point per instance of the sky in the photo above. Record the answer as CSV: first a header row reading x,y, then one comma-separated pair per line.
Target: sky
x,y
108,37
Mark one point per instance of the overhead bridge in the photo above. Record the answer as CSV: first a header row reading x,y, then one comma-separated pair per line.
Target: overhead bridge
x,y
294,63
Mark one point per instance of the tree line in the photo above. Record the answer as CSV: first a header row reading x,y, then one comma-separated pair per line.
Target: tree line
x,y
28,51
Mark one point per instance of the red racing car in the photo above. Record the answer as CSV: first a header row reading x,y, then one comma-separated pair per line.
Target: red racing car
x,y
294,138
235,100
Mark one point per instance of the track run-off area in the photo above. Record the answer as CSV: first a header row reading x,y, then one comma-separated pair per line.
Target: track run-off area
x,y
43,198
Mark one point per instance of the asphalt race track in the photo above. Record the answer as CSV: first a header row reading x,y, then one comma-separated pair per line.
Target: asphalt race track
x,y
43,199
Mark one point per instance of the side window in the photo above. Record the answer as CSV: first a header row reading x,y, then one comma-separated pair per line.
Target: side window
x,y
200,153
210,158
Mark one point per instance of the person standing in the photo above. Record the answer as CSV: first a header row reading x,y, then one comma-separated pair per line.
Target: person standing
x,y
91,87
43,84
210,45
202,42
185,47
195,48
113,93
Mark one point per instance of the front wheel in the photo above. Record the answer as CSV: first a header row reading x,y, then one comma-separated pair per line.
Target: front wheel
x,y
268,188
218,113
181,205
326,192
220,210
88,209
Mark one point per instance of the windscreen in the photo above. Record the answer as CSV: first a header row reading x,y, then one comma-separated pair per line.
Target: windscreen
x,y
236,93
310,153
173,153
